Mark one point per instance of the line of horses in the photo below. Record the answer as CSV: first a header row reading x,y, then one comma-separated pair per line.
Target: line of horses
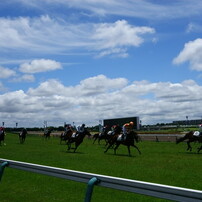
x,y
111,141
133,137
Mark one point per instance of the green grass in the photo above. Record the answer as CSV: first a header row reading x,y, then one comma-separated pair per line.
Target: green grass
x,y
160,162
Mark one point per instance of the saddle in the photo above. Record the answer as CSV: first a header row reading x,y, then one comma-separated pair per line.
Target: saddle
x,y
110,133
197,133
121,137
74,135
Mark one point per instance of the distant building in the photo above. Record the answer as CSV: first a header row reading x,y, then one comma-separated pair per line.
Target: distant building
x,y
188,122
122,121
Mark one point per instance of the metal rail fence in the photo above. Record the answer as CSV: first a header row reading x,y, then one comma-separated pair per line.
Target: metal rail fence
x,y
140,187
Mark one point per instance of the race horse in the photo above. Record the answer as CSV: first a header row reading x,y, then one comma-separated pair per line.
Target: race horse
x,y
107,134
77,138
129,141
22,135
101,136
190,137
65,136
2,136
47,134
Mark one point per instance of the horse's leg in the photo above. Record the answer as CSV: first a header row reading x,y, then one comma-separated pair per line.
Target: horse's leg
x,y
99,140
107,142
76,145
129,150
199,149
136,148
94,140
189,148
108,147
69,145
117,145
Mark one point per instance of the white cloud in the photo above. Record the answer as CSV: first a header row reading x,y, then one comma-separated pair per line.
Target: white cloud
x,y
113,38
194,27
119,34
156,10
41,65
192,53
48,88
48,35
6,73
56,103
24,78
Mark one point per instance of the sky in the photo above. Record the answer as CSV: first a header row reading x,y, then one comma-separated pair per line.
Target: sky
x,y
82,61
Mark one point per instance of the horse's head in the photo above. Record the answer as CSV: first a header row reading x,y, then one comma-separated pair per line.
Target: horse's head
x,y
86,132
133,135
136,137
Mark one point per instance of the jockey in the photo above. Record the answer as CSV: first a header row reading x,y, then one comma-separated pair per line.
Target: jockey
x,y
117,129
127,127
1,130
105,129
81,128
113,128
68,128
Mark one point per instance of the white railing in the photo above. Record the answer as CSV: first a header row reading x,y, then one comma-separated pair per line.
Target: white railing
x,y
140,187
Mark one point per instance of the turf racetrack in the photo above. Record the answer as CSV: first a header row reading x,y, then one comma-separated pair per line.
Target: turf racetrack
x,y
160,162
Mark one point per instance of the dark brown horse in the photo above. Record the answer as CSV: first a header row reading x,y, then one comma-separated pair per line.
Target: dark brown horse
x,y
65,136
22,135
47,133
77,138
101,136
129,141
190,137
2,137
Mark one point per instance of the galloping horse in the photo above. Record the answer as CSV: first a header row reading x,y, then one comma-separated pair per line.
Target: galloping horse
x,y
2,136
65,136
47,134
191,138
129,141
77,138
22,135
100,136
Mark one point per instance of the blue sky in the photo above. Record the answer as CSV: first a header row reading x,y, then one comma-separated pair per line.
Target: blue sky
x,y
87,60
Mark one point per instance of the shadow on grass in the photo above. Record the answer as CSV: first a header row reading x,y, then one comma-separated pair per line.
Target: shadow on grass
x,y
71,152
126,155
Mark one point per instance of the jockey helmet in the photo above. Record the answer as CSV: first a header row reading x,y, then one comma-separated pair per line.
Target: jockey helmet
x,y
131,123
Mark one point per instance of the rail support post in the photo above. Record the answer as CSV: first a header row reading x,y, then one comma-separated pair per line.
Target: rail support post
x,y
93,181
2,166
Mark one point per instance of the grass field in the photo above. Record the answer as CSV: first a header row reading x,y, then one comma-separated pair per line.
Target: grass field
x,y
160,162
